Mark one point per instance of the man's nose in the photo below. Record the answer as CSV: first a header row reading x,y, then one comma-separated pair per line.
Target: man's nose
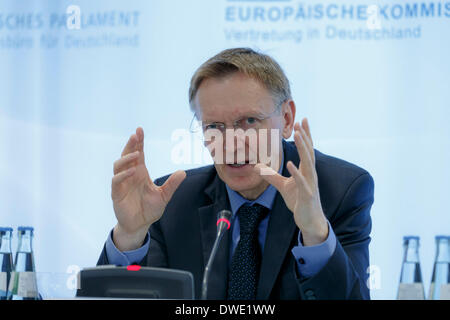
x,y
236,143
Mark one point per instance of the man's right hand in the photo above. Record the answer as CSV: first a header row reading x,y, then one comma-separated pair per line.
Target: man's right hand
x,y
137,201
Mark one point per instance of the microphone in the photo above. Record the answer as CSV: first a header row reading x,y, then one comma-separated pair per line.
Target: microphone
x,y
223,224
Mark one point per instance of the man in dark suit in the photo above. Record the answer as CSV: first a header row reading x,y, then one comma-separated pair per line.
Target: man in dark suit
x,y
300,222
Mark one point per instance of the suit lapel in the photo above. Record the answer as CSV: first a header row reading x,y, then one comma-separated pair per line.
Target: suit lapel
x,y
217,287
280,231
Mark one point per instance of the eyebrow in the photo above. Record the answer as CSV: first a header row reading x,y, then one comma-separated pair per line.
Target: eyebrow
x,y
250,114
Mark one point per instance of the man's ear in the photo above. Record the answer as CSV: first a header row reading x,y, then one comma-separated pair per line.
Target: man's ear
x,y
288,114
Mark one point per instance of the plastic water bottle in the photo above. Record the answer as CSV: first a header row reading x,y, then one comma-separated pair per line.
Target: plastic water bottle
x,y
440,281
23,285
411,284
6,262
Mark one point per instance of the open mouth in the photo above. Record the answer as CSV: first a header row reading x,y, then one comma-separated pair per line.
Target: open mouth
x,y
238,165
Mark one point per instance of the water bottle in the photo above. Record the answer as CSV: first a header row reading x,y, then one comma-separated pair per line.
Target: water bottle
x,y
440,280
6,262
411,284
23,285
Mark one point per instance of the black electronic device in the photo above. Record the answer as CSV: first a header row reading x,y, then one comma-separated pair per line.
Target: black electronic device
x,y
135,282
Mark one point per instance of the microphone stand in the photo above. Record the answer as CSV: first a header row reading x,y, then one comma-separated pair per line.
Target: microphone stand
x,y
223,216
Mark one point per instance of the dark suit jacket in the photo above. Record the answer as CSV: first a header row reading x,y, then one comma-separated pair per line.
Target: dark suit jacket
x,y
184,236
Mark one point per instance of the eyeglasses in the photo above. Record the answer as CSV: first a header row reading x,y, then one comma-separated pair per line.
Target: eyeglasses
x,y
244,123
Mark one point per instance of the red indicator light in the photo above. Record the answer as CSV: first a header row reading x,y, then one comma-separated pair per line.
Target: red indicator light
x,y
134,268
224,220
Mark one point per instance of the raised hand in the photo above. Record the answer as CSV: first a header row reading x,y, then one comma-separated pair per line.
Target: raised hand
x,y
137,201
300,191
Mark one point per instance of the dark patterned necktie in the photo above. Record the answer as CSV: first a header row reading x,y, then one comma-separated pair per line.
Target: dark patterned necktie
x,y
246,261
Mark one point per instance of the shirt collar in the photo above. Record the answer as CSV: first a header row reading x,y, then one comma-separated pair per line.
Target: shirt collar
x,y
266,199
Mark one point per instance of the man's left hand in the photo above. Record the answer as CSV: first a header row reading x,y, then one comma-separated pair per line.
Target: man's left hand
x,y
301,191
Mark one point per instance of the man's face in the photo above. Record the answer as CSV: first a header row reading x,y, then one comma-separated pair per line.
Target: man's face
x,y
235,97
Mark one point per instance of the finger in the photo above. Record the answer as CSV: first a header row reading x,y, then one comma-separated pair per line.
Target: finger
x,y
121,177
131,145
140,137
305,125
308,144
297,126
306,128
171,184
125,162
302,149
307,166
299,179
270,175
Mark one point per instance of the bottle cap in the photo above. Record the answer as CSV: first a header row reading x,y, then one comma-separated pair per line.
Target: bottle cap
x,y
4,230
411,238
442,237
23,229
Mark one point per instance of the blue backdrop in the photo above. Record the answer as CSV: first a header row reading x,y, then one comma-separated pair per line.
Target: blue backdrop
x,y
373,81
